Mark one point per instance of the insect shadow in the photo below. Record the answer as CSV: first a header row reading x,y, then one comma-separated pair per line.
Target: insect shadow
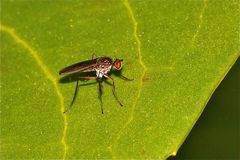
x,y
74,77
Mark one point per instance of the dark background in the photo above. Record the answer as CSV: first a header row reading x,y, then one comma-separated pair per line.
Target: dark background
x,y
216,135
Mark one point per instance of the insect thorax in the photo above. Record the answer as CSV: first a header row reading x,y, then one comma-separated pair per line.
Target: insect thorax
x,y
104,66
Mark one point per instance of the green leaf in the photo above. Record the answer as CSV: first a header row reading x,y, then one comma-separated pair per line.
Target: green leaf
x,y
176,51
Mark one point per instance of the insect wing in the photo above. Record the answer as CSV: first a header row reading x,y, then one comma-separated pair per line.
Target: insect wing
x,y
85,66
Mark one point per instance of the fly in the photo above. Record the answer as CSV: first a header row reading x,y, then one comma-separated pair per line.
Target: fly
x,y
102,67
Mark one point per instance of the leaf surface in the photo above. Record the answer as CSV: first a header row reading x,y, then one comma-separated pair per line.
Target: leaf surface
x,y
176,51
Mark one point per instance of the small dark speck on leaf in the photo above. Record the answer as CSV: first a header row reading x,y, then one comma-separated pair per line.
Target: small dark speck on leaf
x,y
145,79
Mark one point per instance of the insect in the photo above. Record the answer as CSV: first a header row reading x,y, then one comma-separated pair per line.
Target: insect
x,y
102,67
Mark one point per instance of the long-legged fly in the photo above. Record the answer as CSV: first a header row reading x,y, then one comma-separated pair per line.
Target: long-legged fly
x,y
102,67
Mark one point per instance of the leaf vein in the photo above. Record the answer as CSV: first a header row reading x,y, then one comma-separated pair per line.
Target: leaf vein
x,y
200,23
47,73
144,67
196,33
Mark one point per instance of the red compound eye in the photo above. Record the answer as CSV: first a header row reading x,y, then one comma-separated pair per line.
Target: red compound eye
x,y
117,64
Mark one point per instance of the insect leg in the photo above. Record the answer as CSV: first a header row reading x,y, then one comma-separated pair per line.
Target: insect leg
x,y
100,93
125,78
87,77
113,90
76,91
74,97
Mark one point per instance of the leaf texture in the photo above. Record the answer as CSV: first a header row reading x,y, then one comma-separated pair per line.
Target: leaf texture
x,y
176,51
